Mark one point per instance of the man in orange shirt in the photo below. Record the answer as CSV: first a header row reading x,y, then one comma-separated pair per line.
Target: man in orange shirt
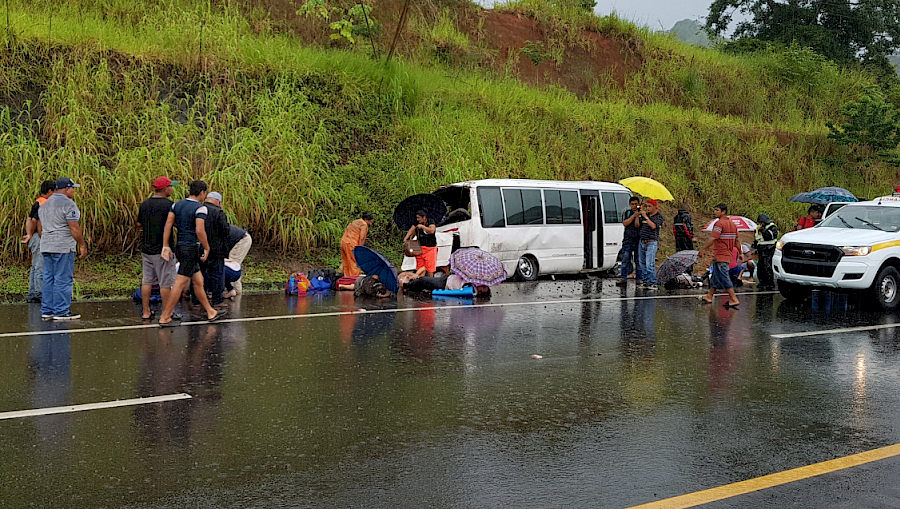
x,y
723,241
33,239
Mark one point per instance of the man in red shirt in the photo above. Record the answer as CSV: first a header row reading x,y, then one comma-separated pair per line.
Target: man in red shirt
x,y
723,241
812,217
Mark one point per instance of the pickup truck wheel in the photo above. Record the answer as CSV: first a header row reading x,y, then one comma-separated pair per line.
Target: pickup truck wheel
x,y
793,291
886,288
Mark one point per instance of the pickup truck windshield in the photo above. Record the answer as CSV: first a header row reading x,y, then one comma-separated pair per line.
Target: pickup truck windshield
x,y
871,217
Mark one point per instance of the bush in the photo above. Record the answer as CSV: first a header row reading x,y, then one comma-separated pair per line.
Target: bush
x,y
871,121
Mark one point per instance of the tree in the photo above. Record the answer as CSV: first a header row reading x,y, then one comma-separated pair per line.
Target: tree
x,y
870,121
844,31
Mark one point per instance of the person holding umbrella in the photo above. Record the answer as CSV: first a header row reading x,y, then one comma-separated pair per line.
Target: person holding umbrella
x,y
812,218
424,230
355,235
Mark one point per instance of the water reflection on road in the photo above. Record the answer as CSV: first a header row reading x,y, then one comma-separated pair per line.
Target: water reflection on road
x,y
414,402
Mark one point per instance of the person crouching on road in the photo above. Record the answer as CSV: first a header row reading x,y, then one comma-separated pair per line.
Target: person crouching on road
x,y
765,238
424,230
238,245
651,222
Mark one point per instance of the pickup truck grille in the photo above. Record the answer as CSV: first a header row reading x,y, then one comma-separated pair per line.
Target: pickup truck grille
x,y
810,259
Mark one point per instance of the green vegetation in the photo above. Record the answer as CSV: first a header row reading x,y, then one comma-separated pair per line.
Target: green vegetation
x,y
301,139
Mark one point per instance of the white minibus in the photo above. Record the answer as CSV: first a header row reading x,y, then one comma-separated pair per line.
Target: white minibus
x,y
534,226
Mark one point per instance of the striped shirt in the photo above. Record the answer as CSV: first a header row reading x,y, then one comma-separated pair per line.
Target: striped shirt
x,y
725,234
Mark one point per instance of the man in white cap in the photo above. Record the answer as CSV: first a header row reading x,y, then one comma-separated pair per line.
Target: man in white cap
x,y
217,229
61,235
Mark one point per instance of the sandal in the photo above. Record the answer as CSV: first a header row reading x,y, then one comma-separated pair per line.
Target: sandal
x,y
152,314
170,323
729,305
219,315
704,301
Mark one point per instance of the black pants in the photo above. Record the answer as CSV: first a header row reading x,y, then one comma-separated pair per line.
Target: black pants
x,y
683,243
764,268
213,270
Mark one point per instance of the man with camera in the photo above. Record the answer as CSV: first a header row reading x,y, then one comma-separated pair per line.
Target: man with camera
x,y
631,219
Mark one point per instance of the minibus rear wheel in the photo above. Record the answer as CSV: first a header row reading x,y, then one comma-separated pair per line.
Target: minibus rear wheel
x,y
527,268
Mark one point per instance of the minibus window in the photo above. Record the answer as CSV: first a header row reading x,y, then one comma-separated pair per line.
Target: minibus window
x,y
533,205
554,207
571,207
491,205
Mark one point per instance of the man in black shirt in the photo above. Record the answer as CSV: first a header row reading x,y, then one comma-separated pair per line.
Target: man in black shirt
x,y
152,219
651,222
217,230
33,239
631,219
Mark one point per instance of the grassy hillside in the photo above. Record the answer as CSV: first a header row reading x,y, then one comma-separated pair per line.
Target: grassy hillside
x,y
300,138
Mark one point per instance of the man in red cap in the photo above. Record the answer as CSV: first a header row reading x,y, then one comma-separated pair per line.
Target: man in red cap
x,y
152,218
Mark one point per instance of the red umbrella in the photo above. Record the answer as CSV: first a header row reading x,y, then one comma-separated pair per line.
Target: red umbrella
x,y
743,224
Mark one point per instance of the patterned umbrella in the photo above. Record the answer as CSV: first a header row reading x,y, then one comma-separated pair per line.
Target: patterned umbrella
x,y
743,224
675,264
825,195
477,267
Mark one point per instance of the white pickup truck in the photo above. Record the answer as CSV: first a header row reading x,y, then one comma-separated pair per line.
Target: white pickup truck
x,y
855,248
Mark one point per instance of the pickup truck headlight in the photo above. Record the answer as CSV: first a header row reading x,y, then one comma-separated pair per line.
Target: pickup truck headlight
x,y
856,250
779,245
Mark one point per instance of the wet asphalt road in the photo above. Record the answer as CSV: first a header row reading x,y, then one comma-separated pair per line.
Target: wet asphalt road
x,y
440,404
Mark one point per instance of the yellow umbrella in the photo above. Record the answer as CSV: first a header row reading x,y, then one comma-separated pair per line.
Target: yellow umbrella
x,y
648,188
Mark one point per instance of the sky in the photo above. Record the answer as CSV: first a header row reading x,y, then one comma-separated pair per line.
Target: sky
x,y
656,14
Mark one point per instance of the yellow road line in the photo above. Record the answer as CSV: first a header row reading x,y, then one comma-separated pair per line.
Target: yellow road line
x,y
771,480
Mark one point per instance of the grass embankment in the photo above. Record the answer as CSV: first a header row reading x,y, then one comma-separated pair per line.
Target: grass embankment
x,y
300,140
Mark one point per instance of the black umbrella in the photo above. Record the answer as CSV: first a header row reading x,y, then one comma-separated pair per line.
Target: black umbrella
x,y
405,212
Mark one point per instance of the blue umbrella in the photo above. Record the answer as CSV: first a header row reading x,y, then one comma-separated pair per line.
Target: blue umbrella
x,y
825,195
374,263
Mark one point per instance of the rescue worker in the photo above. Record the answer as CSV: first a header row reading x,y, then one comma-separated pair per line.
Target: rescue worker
x,y
683,229
765,238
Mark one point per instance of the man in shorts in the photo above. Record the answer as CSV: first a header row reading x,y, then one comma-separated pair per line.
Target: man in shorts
x,y
723,242
152,216
188,216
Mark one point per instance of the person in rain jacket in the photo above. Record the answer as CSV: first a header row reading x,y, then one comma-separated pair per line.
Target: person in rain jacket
x,y
683,229
765,238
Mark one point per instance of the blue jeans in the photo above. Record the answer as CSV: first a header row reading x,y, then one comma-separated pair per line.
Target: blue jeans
x,y
647,261
36,275
56,297
629,249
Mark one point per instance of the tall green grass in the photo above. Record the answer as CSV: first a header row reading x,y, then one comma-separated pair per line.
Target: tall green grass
x,y
300,140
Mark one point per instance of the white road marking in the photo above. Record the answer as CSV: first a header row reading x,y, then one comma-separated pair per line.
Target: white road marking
x,y
862,328
91,406
361,311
